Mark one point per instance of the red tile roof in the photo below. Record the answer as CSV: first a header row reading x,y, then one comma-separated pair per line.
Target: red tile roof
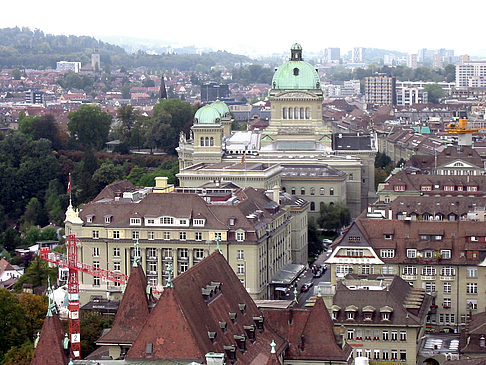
x,y
179,325
50,348
308,331
132,312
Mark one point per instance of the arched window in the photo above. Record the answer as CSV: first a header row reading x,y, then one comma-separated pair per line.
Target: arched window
x,y
322,191
292,191
284,113
302,116
291,113
296,113
307,113
302,191
331,191
206,141
321,205
313,206
211,141
313,191
202,141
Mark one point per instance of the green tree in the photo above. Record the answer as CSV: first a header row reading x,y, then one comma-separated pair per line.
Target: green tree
x,y
12,320
16,74
19,355
92,325
107,173
56,201
10,239
333,217
435,93
128,117
34,308
36,274
33,235
48,234
382,160
315,244
170,116
89,127
35,214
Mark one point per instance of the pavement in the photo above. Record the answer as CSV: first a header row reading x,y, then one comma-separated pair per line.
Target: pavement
x,y
307,275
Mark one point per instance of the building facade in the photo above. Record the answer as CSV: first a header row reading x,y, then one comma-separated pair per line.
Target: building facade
x,y
297,138
181,228
380,90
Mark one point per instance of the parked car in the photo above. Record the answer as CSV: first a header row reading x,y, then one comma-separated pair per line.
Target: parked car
x,y
323,267
326,241
306,287
318,273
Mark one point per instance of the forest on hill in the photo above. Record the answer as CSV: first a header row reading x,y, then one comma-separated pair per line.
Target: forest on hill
x,y
33,49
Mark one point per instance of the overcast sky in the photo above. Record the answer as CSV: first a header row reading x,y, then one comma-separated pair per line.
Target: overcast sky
x,y
266,26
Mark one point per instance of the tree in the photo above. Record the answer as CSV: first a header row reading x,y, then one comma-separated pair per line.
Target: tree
x,y
107,173
89,127
41,127
382,160
34,308
10,239
35,214
170,116
33,235
129,117
315,244
16,74
12,321
435,93
334,217
19,355
36,274
92,325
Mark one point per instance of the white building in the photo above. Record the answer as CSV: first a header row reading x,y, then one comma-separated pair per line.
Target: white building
x,y
358,54
411,95
471,74
68,66
412,60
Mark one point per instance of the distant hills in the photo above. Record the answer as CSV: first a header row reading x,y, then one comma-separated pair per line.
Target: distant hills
x,y
26,48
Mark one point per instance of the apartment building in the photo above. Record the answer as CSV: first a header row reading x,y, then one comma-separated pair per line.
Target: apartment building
x,y
471,74
446,259
380,90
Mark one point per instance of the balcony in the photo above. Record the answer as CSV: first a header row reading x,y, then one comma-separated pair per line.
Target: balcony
x,y
427,277
168,258
151,258
151,273
409,277
447,278
183,259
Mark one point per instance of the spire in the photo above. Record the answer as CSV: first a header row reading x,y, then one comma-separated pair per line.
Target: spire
x,y
136,253
169,279
162,91
51,308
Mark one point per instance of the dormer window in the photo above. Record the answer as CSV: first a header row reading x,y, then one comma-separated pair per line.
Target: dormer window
x,y
198,222
135,221
385,316
167,220
108,218
240,236
349,315
90,218
368,316
472,188
399,188
388,236
426,188
448,187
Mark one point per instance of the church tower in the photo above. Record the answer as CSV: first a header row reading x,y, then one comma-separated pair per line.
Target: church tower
x,y
95,60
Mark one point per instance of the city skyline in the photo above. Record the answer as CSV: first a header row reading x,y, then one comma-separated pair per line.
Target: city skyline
x,y
262,28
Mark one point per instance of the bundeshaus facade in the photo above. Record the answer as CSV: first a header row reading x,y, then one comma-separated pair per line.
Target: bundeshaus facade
x,y
322,166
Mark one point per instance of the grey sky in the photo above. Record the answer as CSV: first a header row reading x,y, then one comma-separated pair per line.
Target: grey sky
x,y
266,26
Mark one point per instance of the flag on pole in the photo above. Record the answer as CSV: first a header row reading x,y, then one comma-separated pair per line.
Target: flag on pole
x,y
69,185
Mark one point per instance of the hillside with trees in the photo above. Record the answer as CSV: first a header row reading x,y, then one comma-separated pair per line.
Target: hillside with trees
x,y
26,48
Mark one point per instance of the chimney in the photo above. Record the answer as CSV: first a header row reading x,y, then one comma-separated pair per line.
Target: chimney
x,y
213,358
276,194
161,181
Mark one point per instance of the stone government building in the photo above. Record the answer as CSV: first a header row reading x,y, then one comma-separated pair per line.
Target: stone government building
x,y
298,151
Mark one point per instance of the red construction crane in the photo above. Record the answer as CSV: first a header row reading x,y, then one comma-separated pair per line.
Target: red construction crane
x,y
71,262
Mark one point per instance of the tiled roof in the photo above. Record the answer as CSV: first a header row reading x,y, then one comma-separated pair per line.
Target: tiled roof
x,y
5,266
50,348
115,190
436,204
396,297
132,312
475,328
406,235
185,325
308,331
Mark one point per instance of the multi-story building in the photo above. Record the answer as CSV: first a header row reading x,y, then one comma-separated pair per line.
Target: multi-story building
x,y
333,54
181,228
410,96
446,259
68,66
383,318
34,97
380,90
297,138
212,91
412,60
471,74
359,54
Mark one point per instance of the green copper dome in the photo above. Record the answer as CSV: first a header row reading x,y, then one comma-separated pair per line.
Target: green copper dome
x,y
296,74
221,107
207,115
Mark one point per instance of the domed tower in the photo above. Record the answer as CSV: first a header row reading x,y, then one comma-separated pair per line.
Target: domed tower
x,y
225,113
208,134
296,103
